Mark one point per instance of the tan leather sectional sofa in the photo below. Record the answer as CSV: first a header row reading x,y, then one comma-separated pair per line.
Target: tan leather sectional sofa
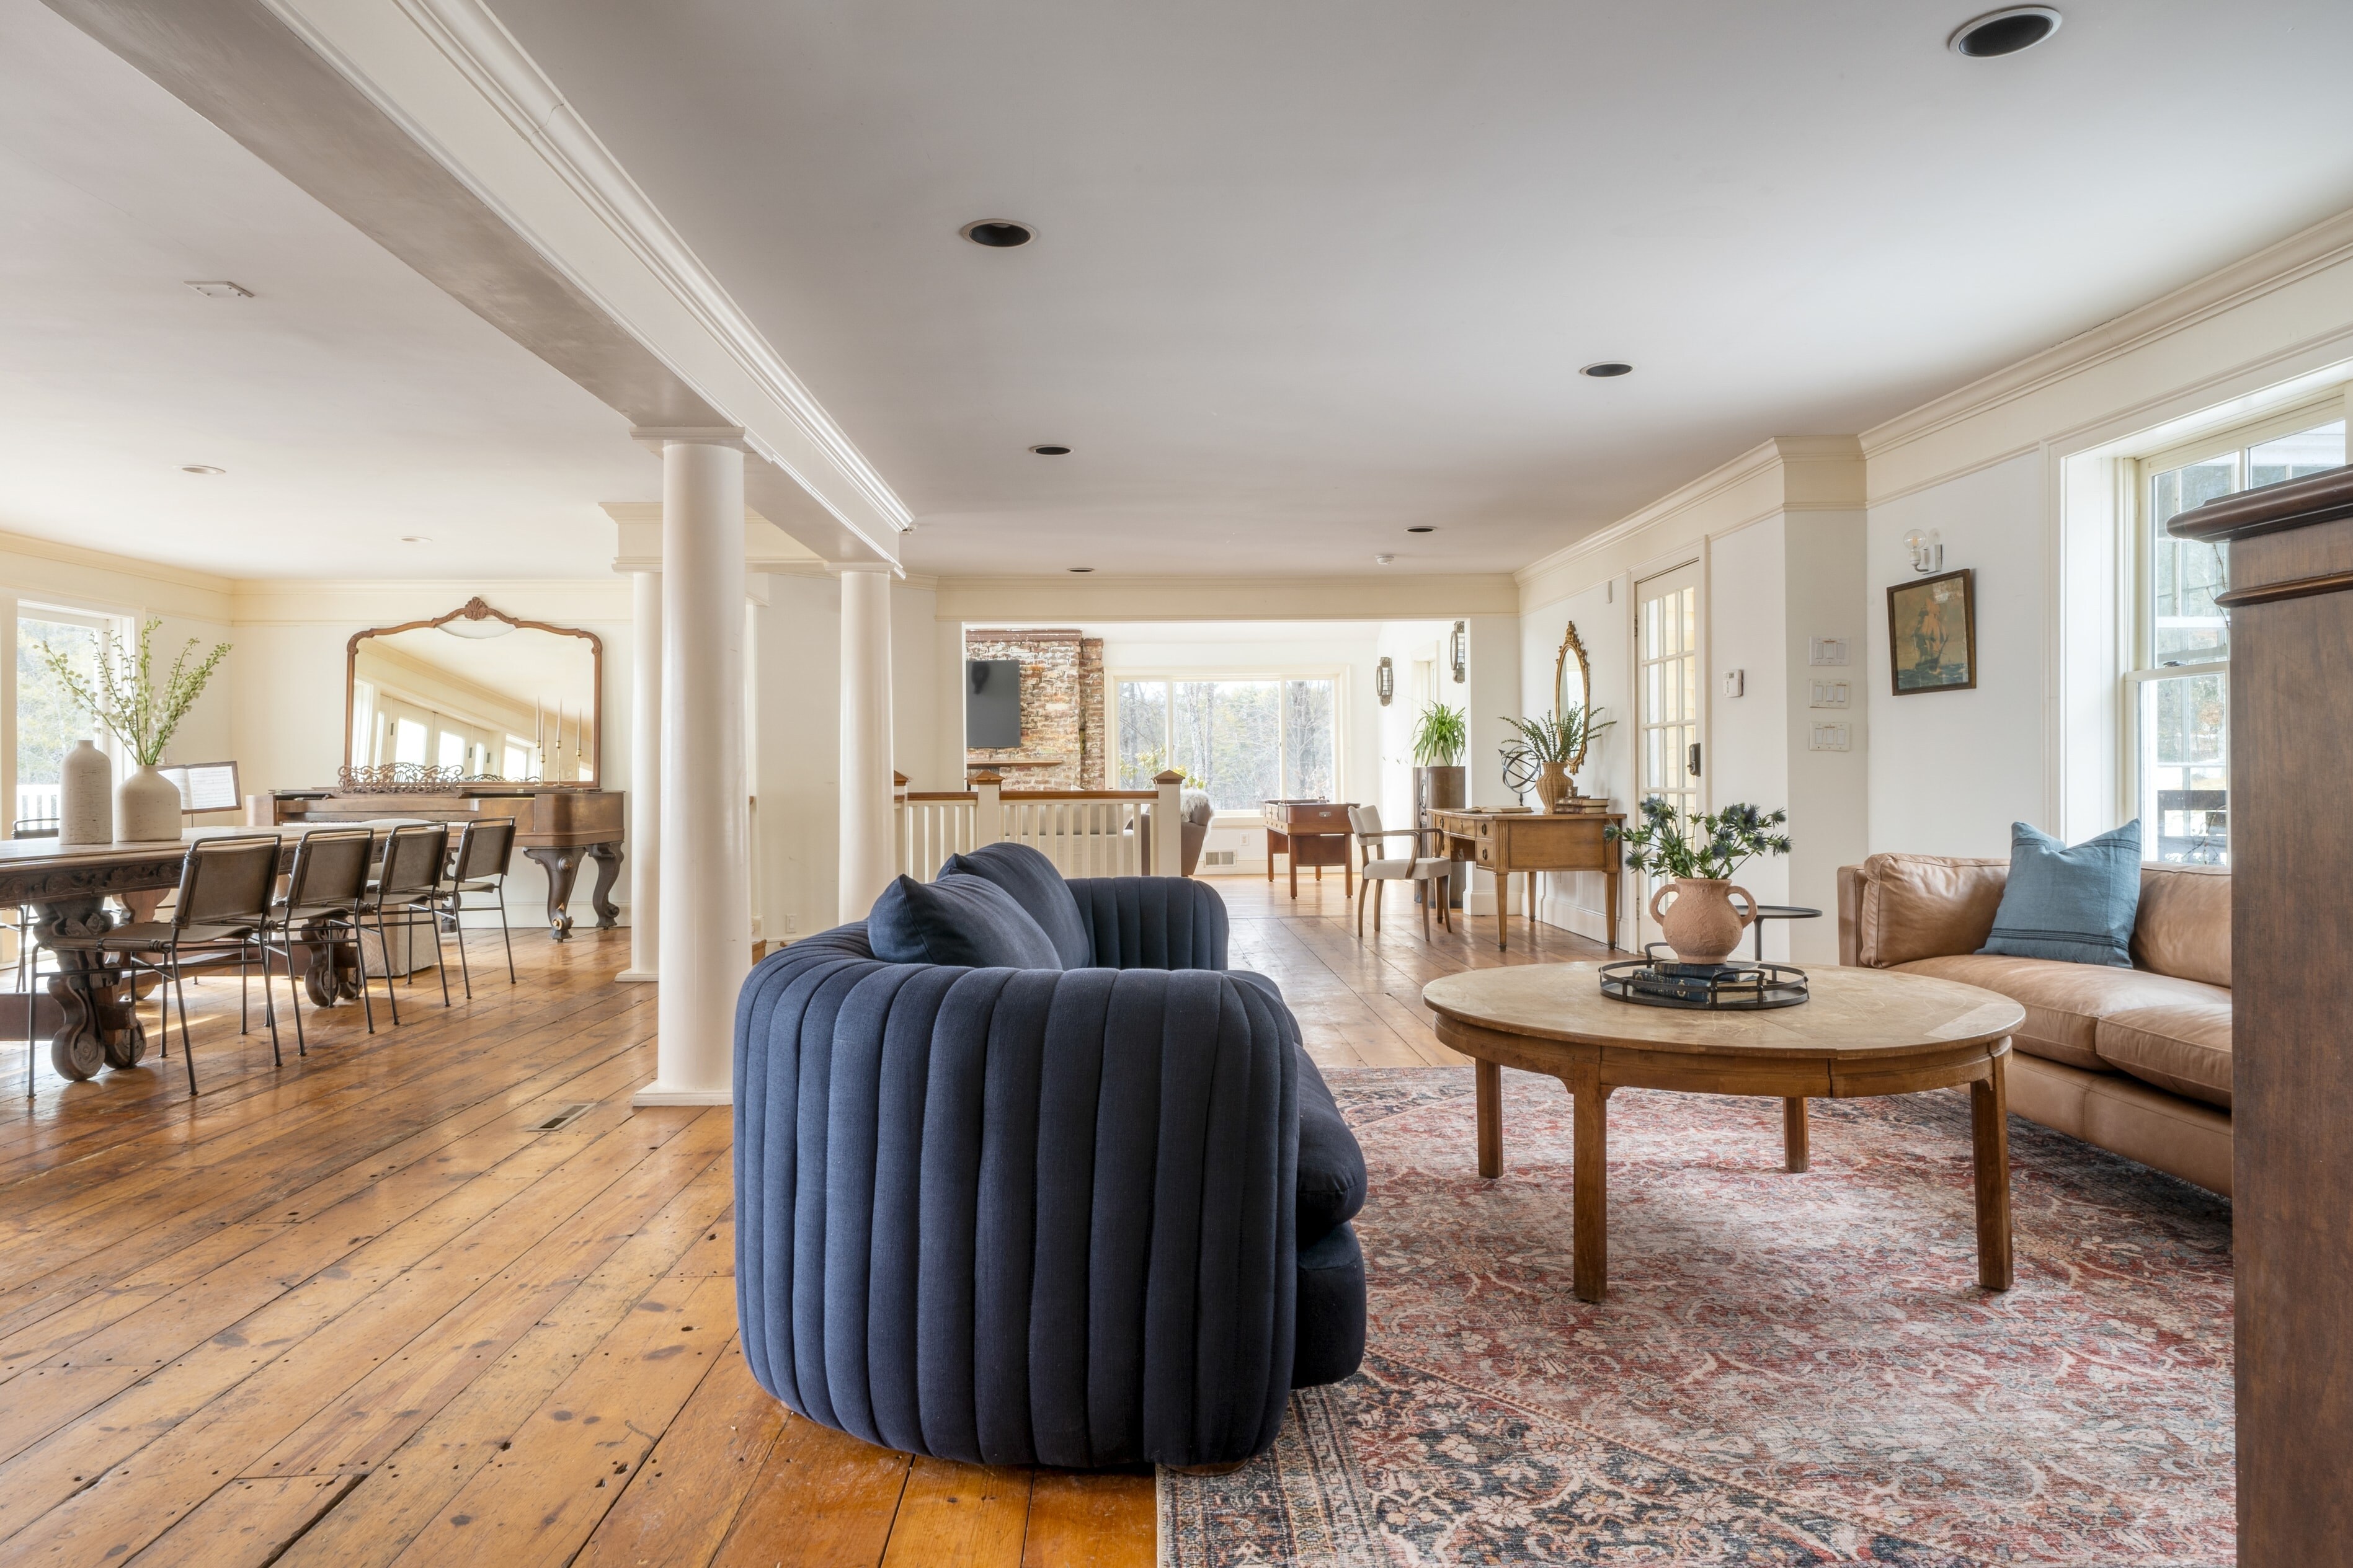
x,y
2137,1060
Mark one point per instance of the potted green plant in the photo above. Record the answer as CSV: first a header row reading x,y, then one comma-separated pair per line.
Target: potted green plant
x,y
123,695
1544,752
1698,860
1440,737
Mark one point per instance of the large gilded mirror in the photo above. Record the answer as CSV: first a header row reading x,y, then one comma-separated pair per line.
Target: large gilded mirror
x,y
1572,687
474,695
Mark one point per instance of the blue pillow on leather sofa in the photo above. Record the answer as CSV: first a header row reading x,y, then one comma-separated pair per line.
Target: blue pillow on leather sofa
x,y
2075,905
1082,1218
956,919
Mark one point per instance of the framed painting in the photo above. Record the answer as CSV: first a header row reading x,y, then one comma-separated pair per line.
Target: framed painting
x,y
1932,632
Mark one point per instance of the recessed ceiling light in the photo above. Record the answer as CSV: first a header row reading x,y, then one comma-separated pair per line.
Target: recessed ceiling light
x,y
200,468
1082,570
414,539
222,289
997,232
1051,451
1422,528
1383,560
1604,369
2003,32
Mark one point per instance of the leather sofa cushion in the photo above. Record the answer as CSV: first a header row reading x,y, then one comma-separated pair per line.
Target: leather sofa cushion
x,y
958,920
1034,883
2065,1002
1925,906
2185,923
2184,1047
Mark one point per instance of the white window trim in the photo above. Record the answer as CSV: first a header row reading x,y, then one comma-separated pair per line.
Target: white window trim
x,y
1337,674
2135,585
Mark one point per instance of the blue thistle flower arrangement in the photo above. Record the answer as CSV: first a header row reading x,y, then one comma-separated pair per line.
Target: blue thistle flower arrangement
x,y
1713,847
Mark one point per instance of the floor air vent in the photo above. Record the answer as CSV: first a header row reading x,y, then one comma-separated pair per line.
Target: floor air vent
x,y
1216,857
565,1115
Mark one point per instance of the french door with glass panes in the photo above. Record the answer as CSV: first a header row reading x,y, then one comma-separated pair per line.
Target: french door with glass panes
x,y
1666,702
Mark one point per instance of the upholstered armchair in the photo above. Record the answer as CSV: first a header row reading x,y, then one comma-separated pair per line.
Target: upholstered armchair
x,y
1081,1217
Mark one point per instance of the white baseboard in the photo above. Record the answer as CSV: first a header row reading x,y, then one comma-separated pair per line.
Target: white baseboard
x,y
631,977
654,1094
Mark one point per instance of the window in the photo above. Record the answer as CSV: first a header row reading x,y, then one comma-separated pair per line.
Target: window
x,y
2179,711
409,742
1242,740
453,749
49,722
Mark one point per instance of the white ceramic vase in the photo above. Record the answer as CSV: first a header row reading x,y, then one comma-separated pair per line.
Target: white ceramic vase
x,y
147,808
86,796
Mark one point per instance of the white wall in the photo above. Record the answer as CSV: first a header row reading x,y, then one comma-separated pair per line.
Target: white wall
x,y
1950,771
1747,752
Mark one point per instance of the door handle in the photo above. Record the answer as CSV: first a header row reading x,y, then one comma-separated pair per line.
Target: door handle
x,y
1693,761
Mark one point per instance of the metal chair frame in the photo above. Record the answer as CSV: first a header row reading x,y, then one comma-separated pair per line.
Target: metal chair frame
x,y
408,889
481,843
239,917
335,907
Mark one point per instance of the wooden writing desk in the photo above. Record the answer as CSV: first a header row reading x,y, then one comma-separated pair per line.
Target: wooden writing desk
x,y
1509,841
1312,833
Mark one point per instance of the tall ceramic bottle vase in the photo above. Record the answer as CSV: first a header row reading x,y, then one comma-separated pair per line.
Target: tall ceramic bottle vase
x,y
147,808
86,796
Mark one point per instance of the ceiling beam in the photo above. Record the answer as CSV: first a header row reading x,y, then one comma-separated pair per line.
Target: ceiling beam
x,y
425,126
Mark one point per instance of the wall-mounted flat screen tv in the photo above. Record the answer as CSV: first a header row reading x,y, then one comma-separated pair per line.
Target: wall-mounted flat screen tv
x,y
992,703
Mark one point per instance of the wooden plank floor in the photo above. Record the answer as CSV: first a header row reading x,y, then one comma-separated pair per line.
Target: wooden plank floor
x,y
358,1310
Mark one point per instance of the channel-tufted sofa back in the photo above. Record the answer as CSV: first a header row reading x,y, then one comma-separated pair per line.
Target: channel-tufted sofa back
x,y
1027,1216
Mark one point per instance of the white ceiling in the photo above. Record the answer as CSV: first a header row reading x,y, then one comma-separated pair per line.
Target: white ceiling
x,y
351,402
1310,272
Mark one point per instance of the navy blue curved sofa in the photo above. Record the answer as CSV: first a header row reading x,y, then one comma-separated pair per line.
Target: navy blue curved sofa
x,y
1079,1217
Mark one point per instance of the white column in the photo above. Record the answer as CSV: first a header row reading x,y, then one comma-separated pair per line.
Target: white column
x,y
866,861
645,777
704,900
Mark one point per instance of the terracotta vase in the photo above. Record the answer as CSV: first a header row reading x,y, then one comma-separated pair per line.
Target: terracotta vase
x,y
146,808
1553,786
1701,924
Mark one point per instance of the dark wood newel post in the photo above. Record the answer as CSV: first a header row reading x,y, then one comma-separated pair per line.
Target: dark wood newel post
x,y
2291,603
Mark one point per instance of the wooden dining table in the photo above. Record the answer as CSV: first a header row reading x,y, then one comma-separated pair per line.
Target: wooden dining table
x,y
65,888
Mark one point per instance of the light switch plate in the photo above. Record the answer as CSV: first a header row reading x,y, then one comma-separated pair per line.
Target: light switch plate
x,y
1831,738
1830,694
1827,650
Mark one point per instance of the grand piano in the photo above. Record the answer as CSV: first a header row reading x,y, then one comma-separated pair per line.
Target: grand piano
x,y
557,825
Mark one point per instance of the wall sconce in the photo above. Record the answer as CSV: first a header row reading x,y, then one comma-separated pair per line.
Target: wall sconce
x,y
1458,651
1384,679
1927,550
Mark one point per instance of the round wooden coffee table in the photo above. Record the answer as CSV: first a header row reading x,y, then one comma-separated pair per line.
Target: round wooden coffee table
x,y
1861,1032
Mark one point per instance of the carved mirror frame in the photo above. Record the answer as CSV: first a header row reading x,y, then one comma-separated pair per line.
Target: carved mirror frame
x,y
476,609
1571,646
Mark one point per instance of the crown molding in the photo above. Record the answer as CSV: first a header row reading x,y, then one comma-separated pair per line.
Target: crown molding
x,y
1108,597
2301,254
345,602
76,555
1786,473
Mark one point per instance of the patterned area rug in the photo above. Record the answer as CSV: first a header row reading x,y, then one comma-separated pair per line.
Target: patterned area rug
x,y
1790,1369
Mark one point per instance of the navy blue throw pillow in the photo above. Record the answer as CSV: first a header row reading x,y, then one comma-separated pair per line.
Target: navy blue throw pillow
x,y
956,919
1037,887
2073,905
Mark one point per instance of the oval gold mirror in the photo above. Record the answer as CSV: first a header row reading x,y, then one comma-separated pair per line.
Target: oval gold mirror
x,y
1572,687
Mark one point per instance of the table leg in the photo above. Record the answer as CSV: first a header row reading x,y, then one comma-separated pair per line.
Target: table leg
x,y
1793,1132
98,1004
1294,868
1989,1147
1503,908
1347,874
1589,1189
1610,898
609,871
562,866
1489,1077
